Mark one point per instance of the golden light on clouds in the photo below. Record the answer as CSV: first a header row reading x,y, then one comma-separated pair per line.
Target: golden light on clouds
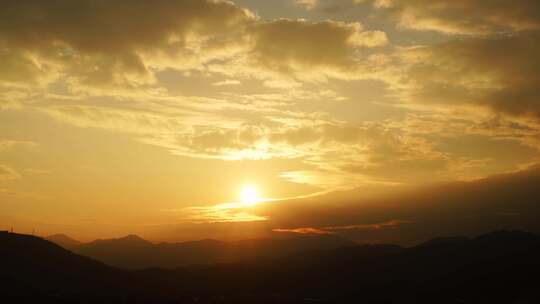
x,y
171,105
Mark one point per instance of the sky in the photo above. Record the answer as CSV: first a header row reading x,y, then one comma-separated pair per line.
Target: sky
x,y
377,120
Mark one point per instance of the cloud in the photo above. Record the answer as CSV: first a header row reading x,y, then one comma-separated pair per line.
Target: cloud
x,y
103,42
334,229
82,24
37,171
302,230
17,68
397,215
501,73
227,82
466,17
496,67
6,144
329,6
338,154
307,4
297,111
293,46
43,42
7,173
505,201
221,213
10,194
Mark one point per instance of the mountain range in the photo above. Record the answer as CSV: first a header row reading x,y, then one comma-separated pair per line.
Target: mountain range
x,y
499,267
133,252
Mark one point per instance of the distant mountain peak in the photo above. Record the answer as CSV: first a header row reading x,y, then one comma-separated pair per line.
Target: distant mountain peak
x,y
132,237
63,240
62,237
129,240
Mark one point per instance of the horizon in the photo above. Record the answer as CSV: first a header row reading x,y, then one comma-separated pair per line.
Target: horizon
x,y
378,121
498,267
291,237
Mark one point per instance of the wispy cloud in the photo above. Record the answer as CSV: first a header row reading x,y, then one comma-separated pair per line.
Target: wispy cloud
x,y
227,82
12,194
221,213
7,173
10,144
336,229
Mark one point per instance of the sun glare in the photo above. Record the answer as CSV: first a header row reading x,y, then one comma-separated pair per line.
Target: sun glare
x,y
249,195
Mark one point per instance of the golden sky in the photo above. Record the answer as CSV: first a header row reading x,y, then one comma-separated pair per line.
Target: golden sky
x,y
157,117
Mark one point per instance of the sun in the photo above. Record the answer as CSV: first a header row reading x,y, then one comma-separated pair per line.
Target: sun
x,y
249,195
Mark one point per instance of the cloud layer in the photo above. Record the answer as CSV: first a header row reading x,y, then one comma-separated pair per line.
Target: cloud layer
x,y
501,73
366,94
467,17
102,44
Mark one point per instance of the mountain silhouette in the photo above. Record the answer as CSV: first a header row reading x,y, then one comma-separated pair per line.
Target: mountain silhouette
x,y
133,252
63,241
33,268
499,267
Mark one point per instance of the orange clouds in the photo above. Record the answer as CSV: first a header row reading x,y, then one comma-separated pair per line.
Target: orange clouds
x,y
90,44
303,230
334,229
500,73
7,173
468,17
10,144
286,45
103,42
348,101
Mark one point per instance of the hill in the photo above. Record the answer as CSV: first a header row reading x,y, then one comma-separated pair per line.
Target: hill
x,y
133,252
499,267
64,241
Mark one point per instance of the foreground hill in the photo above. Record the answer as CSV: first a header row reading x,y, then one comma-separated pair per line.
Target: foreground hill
x,y
34,269
133,252
500,267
